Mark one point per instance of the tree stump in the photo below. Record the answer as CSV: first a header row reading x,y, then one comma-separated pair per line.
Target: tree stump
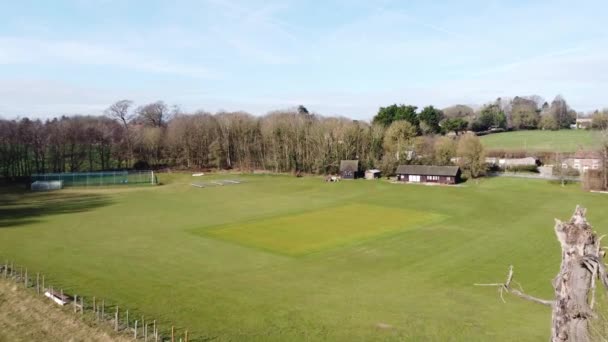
x,y
575,283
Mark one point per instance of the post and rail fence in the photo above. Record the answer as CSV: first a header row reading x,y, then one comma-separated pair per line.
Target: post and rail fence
x,y
97,309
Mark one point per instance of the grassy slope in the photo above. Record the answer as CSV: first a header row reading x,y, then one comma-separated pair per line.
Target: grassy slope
x,y
25,317
143,249
563,141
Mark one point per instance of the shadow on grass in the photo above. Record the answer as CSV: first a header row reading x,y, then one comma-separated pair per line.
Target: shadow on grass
x,y
19,207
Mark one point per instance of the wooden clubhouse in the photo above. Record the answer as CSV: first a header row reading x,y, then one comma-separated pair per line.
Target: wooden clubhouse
x,y
428,174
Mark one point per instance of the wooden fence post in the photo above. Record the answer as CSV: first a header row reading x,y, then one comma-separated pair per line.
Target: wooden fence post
x,y
5,270
116,319
43,283
38,282
103,307
135,329
94,307
127,319
155,332
25,279
75,302
172,334
146,332
186,336
81,305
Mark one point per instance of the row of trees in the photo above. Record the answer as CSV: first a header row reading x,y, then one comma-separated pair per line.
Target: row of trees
x,y
159,135
528,112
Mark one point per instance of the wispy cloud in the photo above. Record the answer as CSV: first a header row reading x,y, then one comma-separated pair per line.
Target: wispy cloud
x,y
18,50
256,33
338,56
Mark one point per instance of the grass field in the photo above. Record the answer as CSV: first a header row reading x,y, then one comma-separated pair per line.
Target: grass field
x,y
298,234
281,258
562,141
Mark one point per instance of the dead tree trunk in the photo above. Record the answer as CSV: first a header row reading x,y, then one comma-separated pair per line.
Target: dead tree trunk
x,y
575,283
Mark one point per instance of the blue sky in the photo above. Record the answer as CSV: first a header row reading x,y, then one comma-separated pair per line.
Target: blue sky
x,y
340,57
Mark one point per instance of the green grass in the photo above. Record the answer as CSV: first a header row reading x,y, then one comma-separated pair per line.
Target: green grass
x,y
560,141
234,262
300,234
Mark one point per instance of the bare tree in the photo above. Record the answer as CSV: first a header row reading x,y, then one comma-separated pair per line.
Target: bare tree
x,y
472,155
121,111
575,284
561,112
154,114
525,114
398,138
445,150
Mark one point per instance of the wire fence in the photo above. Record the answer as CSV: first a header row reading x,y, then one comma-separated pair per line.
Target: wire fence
x,y
117,317
104,178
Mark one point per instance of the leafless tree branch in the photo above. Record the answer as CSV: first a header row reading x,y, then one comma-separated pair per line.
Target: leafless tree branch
x,y
506,286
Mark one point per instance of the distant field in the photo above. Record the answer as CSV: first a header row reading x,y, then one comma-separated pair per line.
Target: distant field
x,y
281,258
562,141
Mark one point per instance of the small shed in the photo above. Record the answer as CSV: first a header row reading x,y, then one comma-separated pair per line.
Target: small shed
x,y
349,169
428,174
372,174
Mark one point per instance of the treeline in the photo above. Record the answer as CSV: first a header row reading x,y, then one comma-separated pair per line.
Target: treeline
x,y
157,135
518,113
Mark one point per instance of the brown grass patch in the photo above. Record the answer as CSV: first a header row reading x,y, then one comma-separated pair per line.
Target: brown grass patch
x,y
25,316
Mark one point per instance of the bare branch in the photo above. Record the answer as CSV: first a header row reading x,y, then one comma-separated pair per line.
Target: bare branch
x,y
531,298
507,287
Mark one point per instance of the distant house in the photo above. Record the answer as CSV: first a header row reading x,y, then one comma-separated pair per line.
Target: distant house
x,y
428,174
582,123
372,174
583,161
507,162
349,169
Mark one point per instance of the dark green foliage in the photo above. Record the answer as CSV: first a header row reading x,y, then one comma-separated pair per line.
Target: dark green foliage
x,y
387,115
431,116
456,125
491,116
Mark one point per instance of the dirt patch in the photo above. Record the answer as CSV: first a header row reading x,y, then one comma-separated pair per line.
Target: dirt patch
x,y
383,326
